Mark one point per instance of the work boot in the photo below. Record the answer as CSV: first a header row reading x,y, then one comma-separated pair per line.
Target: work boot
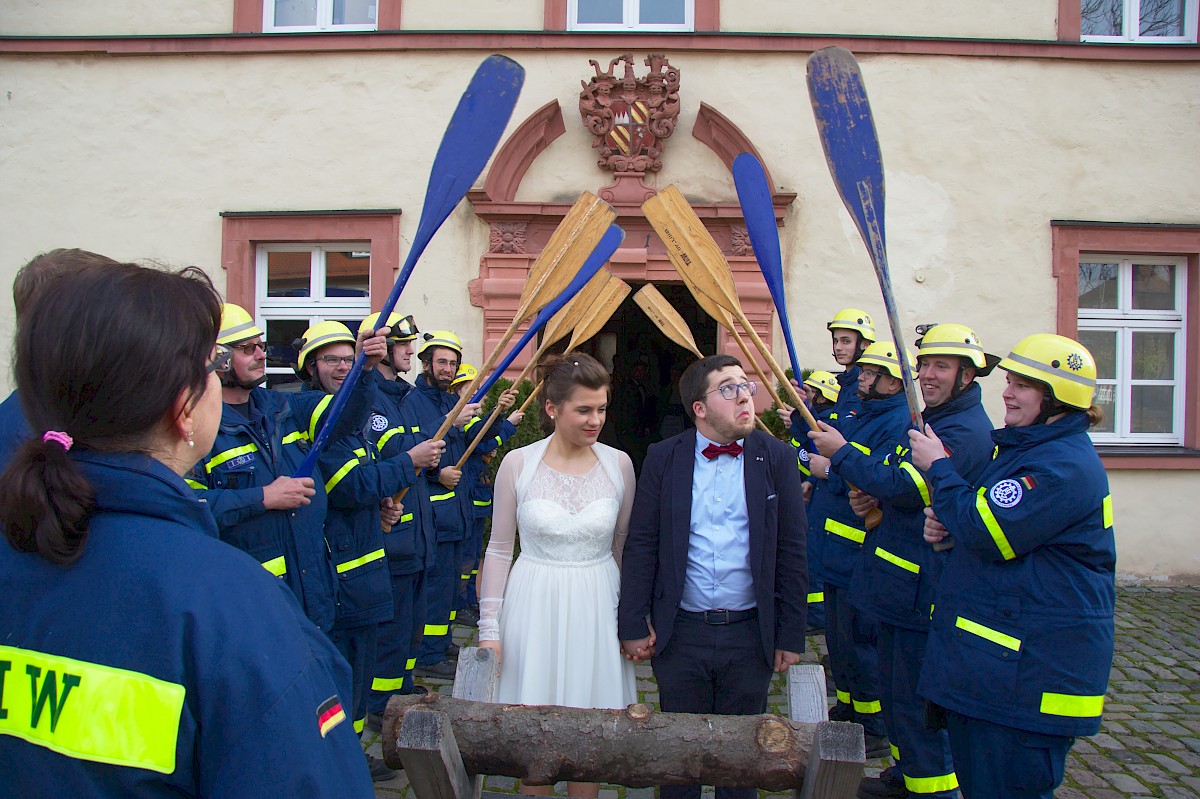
x,y
841,712
888,785
877,746
452,652
374,722
436,671
467,618
379,769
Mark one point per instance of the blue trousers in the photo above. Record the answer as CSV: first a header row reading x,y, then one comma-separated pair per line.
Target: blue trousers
x,y
357,645
472,553
399,641
816,600
997,762
852,637
924,754
441,586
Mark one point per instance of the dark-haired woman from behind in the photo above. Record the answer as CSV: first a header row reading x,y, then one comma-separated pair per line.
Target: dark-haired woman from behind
x,y
139,655
554,618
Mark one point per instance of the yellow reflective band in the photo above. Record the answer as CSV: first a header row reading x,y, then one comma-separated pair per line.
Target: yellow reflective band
x,y
907,565
387,683
466,576
804,470
276,566
861,448
442,497
292,438
993,526
474,572
833,417
370,557
995,451
819,596
359,725
408,517
196,484
91,712
482,503
499,441
1107,509
922,486
474,421
946,782
383,439
229,454
895,752
867,707
316,416
437,629
844,530
797,444
453,615
843,697
1080,707
414,429
340,474
995,636
410,664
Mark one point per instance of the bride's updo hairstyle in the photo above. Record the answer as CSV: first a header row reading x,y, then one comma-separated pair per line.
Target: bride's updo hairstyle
x,y
562,374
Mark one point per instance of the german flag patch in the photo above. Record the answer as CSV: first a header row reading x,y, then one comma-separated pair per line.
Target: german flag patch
x,y
1028,482
330,714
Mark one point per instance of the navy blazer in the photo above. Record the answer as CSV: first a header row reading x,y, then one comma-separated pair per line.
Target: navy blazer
x,y
656,553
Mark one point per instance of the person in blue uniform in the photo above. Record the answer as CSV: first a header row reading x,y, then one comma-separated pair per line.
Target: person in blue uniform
x,y
1021,640
851,633
140,656
360,486
897,571
29,279
410,542
246,479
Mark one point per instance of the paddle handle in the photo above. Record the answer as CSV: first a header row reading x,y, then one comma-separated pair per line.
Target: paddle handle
x,y
495,414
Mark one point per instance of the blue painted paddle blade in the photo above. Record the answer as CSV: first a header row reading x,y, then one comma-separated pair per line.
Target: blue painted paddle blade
x,y
754,193
603,251
847,132
474,131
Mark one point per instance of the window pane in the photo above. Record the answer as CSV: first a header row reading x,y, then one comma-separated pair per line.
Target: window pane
x,y
1106,399
354,12
661,12
1161,18
1153,287
1153,356
600,11
288,274
1098,285
295,12
1103,346
347,274
1101,17
1153,409
280,352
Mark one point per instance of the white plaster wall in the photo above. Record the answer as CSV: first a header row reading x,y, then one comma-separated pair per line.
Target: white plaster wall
x,y
1006,19
112,18
1155,523
473,15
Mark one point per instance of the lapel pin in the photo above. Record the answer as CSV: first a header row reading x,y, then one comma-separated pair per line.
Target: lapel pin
x,y
758,457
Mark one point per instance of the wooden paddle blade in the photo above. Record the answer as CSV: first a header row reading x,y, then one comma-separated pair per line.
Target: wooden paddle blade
x,y
666,318
572,314
569,246
601,311
691,248
847,132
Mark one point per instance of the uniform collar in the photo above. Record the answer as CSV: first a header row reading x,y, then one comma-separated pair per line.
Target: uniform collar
x,y
130,482
972,395
1073,423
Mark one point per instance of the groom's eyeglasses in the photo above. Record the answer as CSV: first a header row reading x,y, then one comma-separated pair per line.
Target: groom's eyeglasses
x,y
730,390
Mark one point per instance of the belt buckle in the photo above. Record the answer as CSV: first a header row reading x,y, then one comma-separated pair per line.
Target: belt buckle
x,y
709,615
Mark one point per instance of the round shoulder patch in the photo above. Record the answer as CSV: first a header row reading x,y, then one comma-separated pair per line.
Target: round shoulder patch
x,y
1007,493
803,455
379,423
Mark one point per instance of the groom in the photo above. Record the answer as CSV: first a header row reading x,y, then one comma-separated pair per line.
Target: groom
x,y
715,558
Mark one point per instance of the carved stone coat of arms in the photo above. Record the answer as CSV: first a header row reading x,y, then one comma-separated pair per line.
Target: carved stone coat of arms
x,y
631,116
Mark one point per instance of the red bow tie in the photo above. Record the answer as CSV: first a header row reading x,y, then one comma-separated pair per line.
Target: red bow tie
x,y
713,450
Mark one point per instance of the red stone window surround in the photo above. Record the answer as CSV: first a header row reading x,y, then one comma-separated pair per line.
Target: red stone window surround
x,y
248,15
243,231
707,15
1070,238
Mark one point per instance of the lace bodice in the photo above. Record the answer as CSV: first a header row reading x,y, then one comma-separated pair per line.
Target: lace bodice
x,y
564,519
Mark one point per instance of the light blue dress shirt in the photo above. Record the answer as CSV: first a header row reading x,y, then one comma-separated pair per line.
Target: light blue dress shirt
x,y
718,568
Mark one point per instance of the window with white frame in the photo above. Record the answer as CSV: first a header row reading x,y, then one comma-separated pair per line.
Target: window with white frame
x,y
1147,21
639,15
292,16
1131,317
298,285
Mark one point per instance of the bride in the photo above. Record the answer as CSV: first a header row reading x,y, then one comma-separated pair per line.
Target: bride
x,y
554,618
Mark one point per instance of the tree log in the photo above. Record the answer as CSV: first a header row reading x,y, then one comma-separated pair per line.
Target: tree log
x,y
637,747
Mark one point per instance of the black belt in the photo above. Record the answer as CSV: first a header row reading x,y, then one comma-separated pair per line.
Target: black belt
x,y
720,616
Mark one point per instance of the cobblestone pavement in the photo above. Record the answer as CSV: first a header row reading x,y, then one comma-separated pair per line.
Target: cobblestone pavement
x,y
1150,742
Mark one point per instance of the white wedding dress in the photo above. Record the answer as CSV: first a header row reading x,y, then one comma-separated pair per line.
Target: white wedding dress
x,y
555,615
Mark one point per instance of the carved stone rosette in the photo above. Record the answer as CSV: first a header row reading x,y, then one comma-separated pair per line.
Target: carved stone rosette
x,y
507,237
631,116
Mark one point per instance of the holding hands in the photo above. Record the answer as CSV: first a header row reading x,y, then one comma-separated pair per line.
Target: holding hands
x,y
640,649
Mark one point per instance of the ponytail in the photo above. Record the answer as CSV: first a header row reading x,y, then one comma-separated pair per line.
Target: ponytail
x,y
45,501
1095,415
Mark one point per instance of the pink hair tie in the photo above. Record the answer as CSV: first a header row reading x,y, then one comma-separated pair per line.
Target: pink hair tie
x,y
62,438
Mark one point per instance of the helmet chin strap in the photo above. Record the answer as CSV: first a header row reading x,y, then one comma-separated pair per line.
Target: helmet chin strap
x,y
1050,407
230,381
872,394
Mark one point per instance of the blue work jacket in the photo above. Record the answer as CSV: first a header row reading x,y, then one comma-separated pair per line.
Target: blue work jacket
x,y
875,428
1022,633
897,571
801,441
477,479
164,662
14,429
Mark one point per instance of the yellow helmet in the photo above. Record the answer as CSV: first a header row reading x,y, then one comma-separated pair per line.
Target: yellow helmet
x,y
236,325
439,338
466,373
883,353
319,335
824,382
403,327
854,319
1063,364
959,341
